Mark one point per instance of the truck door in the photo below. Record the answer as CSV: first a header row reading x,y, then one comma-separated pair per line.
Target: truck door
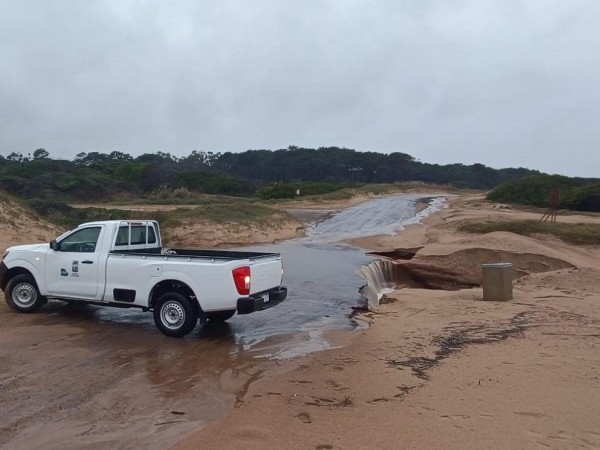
x,y
72,270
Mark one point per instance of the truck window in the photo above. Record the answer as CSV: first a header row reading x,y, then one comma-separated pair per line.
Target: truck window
x,y
151,235
81,241
122,236
138,235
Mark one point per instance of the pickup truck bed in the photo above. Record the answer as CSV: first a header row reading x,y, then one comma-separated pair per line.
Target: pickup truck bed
x,y
196,253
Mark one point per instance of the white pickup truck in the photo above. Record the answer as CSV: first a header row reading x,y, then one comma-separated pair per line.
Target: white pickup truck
x,y
123,264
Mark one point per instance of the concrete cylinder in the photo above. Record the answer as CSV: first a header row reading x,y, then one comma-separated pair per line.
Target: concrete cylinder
x,y
497,281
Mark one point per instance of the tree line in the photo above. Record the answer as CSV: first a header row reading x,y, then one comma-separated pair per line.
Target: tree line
x,y
578,194
96,176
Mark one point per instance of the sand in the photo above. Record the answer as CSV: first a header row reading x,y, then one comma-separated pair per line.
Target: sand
x,y
439,369
17,226
435,369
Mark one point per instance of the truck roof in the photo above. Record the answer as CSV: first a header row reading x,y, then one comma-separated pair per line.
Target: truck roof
x,y
127,221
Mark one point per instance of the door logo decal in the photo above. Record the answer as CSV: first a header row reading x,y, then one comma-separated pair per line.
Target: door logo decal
x,y
75,269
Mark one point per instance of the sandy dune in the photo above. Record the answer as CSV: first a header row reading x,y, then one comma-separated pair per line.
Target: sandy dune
x,y
18,226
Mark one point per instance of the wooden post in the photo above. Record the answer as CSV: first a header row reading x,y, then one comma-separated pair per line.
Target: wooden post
x,y
554,202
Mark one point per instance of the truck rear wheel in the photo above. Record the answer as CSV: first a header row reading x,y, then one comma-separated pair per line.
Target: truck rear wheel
x,y
22,294
174,314
220,316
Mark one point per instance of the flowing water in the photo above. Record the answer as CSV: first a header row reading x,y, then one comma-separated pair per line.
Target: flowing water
x,y
324,275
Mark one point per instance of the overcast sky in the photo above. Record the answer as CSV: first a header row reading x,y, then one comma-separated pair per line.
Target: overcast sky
x,y
506,83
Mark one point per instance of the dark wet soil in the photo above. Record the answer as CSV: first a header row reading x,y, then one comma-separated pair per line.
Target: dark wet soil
x,y
459,336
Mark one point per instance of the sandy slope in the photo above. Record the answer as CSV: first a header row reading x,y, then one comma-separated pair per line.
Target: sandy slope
x,y
19,226
442,369
208,234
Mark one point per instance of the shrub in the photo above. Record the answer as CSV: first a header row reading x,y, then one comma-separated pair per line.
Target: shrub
x,y
46,207
277,191
533,190
585,198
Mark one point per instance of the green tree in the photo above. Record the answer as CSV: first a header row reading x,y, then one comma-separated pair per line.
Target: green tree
x,y
40,153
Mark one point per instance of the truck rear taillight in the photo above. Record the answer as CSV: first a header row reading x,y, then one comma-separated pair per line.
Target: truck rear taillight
x,y
241,277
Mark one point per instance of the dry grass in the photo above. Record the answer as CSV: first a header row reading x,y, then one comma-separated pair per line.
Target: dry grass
x,y
573,233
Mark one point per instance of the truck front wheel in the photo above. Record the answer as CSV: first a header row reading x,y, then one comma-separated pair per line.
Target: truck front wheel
x,y
174,314
22,294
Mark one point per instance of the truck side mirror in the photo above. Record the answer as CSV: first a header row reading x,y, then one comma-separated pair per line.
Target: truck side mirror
x,y
53,245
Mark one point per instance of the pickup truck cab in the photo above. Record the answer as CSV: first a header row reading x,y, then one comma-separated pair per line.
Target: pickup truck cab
x,y
122,263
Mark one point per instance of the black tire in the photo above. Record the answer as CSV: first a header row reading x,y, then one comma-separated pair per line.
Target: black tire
x,y
220,316
22,294
174,314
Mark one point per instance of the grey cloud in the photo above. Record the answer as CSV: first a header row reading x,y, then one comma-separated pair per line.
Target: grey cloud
x,y
505,83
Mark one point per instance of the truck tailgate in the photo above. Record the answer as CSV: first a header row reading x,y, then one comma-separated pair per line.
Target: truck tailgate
x,y
265,274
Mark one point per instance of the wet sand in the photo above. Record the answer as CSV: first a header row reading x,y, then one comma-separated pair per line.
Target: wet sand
x,y
441,369
67,379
